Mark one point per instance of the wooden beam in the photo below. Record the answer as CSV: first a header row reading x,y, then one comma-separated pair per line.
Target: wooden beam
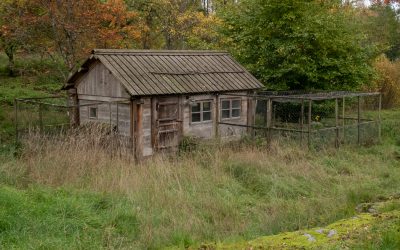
x,y
139,131
132,128
217,116
154,125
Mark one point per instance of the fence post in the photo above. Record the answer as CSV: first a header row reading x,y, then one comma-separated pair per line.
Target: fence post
x,y
302,121
217,116
269,119
343,117
309,122
41,118
16,119
358,120
337,122
380,118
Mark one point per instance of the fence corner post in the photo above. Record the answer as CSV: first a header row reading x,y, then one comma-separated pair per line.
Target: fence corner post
x,y
16,120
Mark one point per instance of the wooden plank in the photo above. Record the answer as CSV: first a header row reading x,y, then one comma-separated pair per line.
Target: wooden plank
x,y
132,127
154,128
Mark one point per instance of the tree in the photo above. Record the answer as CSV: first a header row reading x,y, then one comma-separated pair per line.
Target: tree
x,y
300,44
175,24
13,30
74,27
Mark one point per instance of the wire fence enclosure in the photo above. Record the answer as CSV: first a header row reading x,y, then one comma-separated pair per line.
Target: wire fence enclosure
x,y
317,119
314,119
51,117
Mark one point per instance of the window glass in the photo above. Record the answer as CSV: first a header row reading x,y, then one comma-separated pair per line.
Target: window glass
x,y
226,104
225,113
206,106
92,112
196,107
207,116
235,104
235,112
196,117
230,108
201,111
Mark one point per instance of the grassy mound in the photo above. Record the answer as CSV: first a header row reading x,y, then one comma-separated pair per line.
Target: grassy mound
x,y
379,229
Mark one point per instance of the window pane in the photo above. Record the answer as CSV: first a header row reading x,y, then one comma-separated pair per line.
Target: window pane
x,y
235,112
225,114
236,104
195,117
206,106
206,116
93,112
226,104
196,107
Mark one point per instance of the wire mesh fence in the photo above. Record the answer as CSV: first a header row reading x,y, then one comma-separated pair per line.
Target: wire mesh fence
x,y
317,119
51,119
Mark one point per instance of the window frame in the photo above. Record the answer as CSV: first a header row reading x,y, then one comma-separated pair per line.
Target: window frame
x,y
97,112
201,112
230,109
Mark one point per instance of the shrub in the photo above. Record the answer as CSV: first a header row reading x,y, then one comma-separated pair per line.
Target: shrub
x,y
388,81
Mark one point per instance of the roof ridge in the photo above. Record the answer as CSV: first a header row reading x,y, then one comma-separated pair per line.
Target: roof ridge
x,y
154,52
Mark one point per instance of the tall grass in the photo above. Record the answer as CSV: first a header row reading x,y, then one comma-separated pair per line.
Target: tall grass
x,y
217,192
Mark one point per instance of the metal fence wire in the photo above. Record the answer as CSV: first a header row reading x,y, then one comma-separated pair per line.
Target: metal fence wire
x,y
317,119
51,118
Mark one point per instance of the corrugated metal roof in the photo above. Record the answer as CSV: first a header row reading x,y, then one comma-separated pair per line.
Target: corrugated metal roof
x,y
161,72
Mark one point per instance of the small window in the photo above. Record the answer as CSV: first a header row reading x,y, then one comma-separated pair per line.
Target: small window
x,y
231,108
201,111
92,112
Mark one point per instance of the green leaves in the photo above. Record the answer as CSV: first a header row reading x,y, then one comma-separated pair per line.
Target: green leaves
x,y
300,44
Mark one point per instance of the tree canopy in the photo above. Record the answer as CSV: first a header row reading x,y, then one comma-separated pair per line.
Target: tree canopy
x,y
300,44
287,44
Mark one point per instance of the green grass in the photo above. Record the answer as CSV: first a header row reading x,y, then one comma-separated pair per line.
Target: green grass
x,y
228,193
71,194
43,218
35,77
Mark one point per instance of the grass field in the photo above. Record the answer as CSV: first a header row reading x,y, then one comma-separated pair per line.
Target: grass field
x,y
71,193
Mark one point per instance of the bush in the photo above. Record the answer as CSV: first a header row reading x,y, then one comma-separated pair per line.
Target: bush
x,y
388,81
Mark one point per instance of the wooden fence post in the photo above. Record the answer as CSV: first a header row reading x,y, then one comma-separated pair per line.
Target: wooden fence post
x,y
380,118
309,122
337,122
343,118
16,120
302,121
358,120
41,118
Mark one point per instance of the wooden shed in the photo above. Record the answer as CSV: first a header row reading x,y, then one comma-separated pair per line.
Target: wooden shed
x,y
157,97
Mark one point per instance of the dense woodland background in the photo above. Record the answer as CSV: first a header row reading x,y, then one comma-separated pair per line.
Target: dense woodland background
x,y
329,44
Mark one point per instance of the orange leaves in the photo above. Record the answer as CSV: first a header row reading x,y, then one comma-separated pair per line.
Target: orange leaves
x,y
74,27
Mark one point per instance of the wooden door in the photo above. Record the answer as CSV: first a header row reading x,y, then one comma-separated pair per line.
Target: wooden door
x,y
168,125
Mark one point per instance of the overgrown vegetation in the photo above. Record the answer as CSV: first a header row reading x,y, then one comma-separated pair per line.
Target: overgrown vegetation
x,y
223,193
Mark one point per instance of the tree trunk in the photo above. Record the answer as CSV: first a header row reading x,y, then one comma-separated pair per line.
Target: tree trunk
x,y
10,51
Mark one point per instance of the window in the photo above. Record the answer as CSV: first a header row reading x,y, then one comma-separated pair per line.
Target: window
x,y
201,111
93,112
230,108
